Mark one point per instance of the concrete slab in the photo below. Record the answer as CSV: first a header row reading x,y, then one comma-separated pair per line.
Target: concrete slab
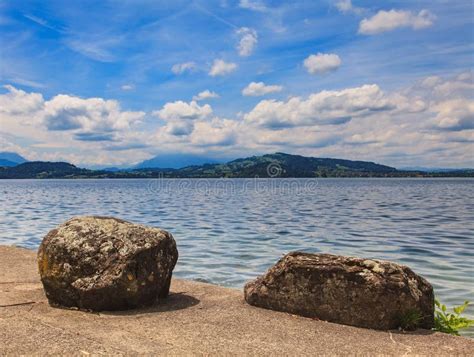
x,y
196,319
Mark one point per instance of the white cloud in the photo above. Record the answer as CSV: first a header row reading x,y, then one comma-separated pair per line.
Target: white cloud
x,y
217,132
89,119
77,129
248,41
221,68
390,20
322,63
429,123
430,82
180,116
462,86
326,107
255,5
454,114
180,68
16,101
206,94
95,117
256,89
127,87
346,6
183,110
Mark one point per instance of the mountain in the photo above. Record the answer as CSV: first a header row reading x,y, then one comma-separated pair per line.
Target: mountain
x,y
272,165
174,161
9,159
7,163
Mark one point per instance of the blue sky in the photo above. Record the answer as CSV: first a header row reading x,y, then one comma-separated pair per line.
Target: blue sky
x,y
113,82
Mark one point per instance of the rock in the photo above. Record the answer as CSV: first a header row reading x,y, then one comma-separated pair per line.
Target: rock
x,y
351,291
104,263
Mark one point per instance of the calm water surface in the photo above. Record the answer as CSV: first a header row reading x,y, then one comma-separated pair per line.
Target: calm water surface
x,y
229,231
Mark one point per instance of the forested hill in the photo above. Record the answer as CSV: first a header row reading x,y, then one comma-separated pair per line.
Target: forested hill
x,y
44,169
285,165
272,165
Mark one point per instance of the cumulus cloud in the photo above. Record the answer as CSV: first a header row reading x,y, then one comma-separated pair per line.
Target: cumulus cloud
x,y
256,89
183,110
454,115
248,41
180,116
16,101
221,68
463,85
92,115
431,121
326,107
390,20
76,128
217,132
322,63
90,118
127,87
206,94
180,68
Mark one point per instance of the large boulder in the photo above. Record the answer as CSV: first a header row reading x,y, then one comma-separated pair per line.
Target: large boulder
x,y
104,263
352,291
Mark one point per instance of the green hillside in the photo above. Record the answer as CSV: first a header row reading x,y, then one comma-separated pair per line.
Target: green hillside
x,y
272,165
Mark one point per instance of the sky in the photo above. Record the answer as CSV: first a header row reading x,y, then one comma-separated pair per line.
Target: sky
x,y
116,82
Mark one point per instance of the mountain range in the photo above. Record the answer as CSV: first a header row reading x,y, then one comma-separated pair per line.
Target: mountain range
x,y
271,165
175,161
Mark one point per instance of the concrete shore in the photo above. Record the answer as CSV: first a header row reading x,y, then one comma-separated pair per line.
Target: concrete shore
x,y
196,319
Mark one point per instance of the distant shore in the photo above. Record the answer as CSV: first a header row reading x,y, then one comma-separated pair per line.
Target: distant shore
x,y
277,165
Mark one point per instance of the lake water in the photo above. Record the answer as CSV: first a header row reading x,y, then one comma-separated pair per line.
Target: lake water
x,y
229,231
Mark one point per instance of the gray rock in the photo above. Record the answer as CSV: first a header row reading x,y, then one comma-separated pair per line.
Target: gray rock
x,y
104,263
352,291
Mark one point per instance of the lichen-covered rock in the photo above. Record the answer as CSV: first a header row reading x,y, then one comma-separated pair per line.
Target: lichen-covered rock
x,y
352,291
104,263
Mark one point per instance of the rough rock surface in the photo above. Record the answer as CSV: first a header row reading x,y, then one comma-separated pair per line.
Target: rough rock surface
x,y
104,263
352,291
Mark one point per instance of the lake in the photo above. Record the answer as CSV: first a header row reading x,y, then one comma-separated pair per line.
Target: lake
x,y
230,230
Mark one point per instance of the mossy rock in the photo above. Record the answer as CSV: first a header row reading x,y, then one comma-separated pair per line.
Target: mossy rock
x,y
353,291
104,263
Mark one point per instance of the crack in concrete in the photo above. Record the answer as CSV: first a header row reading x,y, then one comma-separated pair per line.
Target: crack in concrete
x,y
409,348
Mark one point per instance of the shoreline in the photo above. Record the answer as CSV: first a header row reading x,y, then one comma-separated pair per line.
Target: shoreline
x,y
197,318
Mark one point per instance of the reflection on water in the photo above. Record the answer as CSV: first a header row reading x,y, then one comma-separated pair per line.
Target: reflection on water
x,y
229,231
